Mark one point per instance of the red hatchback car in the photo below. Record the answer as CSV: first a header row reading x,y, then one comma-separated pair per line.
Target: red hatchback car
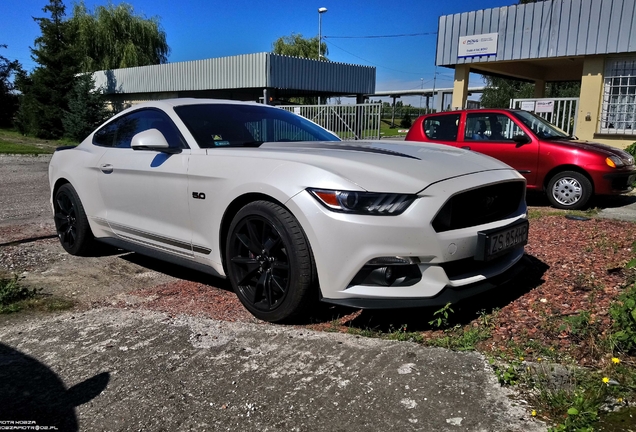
x,y
569,170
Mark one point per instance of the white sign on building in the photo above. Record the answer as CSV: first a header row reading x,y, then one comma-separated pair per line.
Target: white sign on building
x,y
477,45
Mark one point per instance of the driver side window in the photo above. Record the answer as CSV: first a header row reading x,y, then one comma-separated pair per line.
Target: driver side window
x,y
490,127
119,133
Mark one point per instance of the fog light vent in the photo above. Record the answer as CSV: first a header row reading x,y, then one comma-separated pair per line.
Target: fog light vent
x,y
393,260
397,275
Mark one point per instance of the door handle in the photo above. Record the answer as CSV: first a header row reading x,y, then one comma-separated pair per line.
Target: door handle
x,y
466,147
106,168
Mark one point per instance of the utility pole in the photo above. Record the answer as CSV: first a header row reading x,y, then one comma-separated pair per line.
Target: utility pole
x,y
419,113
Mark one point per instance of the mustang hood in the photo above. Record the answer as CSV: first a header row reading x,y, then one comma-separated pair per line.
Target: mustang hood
x,y
385,166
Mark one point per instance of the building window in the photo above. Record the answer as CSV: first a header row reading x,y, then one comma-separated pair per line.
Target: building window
x,y
618,113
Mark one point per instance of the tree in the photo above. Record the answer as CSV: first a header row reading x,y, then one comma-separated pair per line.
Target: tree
x,y
499,91
8,97
86,111
298,46
406,121
115,37
44,92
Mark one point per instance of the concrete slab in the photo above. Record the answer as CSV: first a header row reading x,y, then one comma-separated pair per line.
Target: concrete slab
x,y
141,370
621,208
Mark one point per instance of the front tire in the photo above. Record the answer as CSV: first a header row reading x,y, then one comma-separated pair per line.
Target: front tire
x,y
71,222
569,190
269,262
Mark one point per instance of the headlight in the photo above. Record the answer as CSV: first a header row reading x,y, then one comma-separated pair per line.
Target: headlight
x,y
614,162
368,203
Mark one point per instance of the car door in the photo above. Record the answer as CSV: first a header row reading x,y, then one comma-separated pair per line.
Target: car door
x,y
492,133
145,192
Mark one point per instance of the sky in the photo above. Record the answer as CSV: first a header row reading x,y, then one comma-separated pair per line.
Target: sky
x,y
200,29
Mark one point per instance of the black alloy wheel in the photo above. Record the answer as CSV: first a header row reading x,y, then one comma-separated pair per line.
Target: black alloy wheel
x,y
269,262
71,223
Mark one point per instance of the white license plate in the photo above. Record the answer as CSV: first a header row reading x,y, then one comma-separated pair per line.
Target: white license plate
x,y
496,242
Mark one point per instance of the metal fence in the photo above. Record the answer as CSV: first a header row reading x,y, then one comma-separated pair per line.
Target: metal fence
x,y
349,122
561,112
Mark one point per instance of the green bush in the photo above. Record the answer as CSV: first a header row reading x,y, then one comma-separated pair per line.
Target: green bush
x,y
631,149
406,121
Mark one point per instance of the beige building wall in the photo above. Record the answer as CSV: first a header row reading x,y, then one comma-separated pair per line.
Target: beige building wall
x,y
590,97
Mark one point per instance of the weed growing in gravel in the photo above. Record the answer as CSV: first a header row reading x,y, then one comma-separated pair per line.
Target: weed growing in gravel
x,y
508,374
11,293
574,399
15,297
440,317
623,313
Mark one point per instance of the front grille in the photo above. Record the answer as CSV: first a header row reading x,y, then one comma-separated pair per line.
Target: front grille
x,y
480,206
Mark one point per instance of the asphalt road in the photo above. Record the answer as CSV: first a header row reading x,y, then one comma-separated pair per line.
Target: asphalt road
x,y
114,369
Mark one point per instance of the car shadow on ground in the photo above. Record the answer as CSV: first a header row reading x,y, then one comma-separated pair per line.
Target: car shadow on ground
x,y
417,319
177,271
31,393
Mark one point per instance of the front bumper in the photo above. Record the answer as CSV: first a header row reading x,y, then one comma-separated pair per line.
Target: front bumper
x,y
449,294
343,243
617,183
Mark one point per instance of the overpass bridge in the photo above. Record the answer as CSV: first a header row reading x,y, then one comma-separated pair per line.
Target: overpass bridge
x,y
439,92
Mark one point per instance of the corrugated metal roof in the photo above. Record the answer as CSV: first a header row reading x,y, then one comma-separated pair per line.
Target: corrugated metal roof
x,y
545,29
258,70
300,73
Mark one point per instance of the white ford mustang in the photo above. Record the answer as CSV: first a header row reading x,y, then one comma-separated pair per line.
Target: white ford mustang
x,y
287,211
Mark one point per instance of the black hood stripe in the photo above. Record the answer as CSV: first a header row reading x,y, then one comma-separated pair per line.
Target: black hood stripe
x,y
329,146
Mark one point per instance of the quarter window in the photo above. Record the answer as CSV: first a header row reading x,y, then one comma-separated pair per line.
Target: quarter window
x,y
119,133
618,114
442,127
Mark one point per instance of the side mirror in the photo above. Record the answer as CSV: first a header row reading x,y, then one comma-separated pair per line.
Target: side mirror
x,y
152,139
521,139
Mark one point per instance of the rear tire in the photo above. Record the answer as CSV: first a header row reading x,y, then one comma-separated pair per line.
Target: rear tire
x,y
569,190
270,263
71,222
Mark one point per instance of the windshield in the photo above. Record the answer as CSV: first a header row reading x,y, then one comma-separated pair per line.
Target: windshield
x,y
541,128
238,125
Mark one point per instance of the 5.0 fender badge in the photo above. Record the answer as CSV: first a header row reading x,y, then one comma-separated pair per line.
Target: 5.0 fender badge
x,y
198,195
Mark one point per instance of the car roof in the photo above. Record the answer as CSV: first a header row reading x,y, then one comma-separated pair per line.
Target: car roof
x,y
171,103
478,110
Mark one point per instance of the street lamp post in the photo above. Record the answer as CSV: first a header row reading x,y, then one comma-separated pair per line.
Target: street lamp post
x,y
321,11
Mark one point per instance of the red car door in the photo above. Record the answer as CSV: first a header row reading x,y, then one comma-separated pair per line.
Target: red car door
x,y
492,133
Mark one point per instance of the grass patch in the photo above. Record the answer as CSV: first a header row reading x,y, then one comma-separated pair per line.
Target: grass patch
x,y
26,149
13,142
387,131
461,338
14,297
536,213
